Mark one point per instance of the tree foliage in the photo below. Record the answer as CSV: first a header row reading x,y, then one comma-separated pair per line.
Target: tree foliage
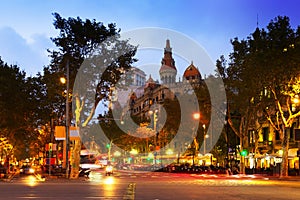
x,y
262,78
21,113
96,59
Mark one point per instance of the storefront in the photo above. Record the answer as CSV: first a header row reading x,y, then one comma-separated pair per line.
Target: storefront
x,y
270,161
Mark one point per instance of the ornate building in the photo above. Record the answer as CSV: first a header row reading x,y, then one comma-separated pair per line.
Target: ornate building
x,y
155,92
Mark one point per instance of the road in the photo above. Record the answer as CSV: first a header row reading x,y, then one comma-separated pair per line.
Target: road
x,y
149,186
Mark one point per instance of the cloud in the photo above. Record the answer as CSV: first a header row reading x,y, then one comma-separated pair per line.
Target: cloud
x,y
29,56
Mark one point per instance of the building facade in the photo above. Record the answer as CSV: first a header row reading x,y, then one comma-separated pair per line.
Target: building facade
x,y
155,92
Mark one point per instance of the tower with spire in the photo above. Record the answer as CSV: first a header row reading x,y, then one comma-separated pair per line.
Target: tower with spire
x,y
155,92
168,69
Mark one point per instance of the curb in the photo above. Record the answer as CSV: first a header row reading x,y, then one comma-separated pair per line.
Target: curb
x,y
248,177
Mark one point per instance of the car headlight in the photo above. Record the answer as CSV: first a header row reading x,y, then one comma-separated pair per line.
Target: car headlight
x,y
109,168
31,170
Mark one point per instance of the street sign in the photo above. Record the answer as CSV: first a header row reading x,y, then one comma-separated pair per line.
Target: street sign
x,y
60,133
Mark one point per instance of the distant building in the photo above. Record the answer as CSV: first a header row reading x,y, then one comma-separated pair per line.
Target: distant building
x,y
154,92
119,97
138,77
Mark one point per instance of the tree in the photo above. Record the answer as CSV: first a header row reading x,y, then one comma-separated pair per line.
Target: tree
x,y
262,78
281,87
240,89
96,58
20,111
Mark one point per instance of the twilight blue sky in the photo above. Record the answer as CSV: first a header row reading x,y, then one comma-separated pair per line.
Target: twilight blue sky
x,y
26,26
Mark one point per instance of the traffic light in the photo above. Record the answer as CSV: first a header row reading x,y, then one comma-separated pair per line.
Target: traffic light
x,y
107,145
244,152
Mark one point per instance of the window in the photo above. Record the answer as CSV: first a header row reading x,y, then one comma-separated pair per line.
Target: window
x,y
265,133
251,136
277,135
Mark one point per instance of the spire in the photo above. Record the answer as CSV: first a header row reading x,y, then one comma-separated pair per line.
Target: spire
x,y
150,80
168,70
168,46
168,59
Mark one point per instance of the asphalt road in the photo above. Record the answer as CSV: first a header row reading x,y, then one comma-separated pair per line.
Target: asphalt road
x,y
149,186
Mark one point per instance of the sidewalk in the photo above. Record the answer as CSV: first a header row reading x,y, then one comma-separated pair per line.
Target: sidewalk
x,y
288,178
246,176
277,178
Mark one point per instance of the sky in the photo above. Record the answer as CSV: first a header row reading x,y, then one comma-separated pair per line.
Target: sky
x,y
26,26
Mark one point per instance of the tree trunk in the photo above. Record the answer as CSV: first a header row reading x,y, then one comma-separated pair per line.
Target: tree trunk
x,y
75,161
285,149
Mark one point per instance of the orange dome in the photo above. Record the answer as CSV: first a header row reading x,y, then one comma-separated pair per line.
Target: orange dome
x,y
191,71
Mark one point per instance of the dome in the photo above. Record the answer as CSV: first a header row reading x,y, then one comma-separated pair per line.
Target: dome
x,y
191,72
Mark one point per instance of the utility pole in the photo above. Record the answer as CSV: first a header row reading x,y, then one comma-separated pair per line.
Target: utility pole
x,y
67,120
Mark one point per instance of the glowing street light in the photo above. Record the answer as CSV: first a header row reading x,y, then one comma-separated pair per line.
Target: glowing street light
x,y
196,115
63,80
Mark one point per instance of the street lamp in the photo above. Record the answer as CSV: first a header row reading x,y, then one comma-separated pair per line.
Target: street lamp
x,y
205,137
154,128
204,140
196,116
67,81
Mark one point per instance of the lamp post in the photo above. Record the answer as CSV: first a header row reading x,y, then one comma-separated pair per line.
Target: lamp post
x,y
67,120
204,139
66,81
196,116
154,128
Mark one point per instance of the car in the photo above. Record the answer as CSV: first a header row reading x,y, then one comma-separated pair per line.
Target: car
x,y
26,169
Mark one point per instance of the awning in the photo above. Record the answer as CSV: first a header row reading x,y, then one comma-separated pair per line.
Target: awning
x,y
85,152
